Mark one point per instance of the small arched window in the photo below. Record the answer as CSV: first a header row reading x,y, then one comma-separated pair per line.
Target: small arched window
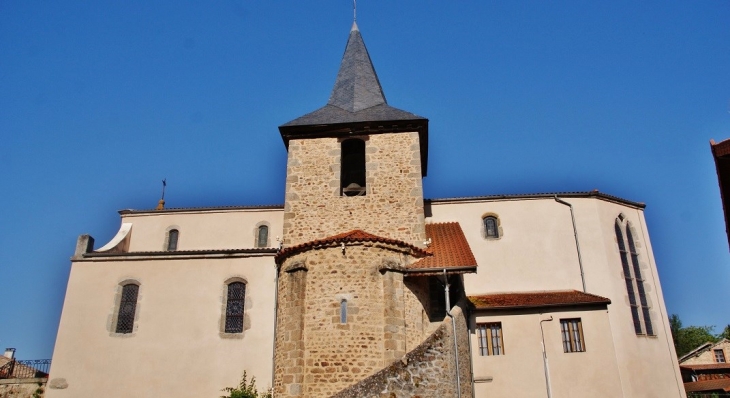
x,y
127,308
343,311
352,168
172,236
262,236
234,307
491,227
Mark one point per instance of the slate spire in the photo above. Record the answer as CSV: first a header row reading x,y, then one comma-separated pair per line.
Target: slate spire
x,y
357,86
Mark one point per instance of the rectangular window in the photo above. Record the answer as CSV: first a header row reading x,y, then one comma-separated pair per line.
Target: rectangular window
x,y
719,356
490,339
572,331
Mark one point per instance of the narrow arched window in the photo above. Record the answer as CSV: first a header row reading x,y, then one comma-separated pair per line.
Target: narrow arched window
x,y
343,311
127,308
262,236
172,236
234,307
352,168
491,227
632,278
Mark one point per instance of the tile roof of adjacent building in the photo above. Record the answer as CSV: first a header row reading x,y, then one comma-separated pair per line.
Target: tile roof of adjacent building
x,y
708,366
541,299
354,236
708,385
449,249
721,156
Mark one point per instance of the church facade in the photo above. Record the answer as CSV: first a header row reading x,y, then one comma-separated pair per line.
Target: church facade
x,y
359,287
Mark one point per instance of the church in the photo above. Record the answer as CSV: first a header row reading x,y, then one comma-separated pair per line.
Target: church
x,y
357,286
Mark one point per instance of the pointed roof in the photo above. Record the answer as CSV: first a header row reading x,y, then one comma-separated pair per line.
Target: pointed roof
x,y
357,86
357,104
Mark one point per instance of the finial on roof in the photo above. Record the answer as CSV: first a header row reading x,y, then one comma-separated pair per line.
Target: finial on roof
x,y
161,203
354,10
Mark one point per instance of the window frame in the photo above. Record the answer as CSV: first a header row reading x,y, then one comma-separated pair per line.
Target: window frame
x,y
343,311
229,327
571,333
721,357
259,242
497,232
490,338
171,244
633,279
125,320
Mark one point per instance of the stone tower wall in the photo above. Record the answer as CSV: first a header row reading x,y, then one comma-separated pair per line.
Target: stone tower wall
x,y
392,208
317,355
428,371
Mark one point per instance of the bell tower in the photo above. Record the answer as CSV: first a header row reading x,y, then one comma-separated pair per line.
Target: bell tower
x,y
353,222
357,162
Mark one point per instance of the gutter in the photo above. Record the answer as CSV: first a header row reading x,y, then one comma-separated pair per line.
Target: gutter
x,y
577,245
453,325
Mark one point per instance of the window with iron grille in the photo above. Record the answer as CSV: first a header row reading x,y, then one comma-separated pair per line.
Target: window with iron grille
x,y
127,309
572,332
719,356
490,338
172,236
262,236
491,227
234,307
632,277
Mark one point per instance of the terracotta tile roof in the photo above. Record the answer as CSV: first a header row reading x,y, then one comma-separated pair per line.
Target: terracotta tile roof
x,y
708,385
348,237
706,366
448,247
535,299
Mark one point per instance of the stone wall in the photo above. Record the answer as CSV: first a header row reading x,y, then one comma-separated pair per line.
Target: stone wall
x,y
22,388
316,354
428,371
392,207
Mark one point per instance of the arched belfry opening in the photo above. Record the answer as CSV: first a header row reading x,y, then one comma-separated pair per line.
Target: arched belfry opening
x,y
352,169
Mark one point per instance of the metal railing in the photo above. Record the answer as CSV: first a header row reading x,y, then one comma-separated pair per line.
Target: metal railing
x,y
34,368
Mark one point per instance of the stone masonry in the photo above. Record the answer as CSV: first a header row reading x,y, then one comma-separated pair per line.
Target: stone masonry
x,y
428,371
318,355
392,207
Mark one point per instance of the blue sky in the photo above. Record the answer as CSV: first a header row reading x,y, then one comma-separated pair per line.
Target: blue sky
x,y
101,100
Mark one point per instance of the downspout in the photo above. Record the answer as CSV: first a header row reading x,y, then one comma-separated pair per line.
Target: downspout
x,y
577,245
544,357
453,324
276,319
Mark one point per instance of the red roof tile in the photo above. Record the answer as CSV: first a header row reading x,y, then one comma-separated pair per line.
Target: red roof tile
x,y
536,299
708,385
448,247
707,366
347,237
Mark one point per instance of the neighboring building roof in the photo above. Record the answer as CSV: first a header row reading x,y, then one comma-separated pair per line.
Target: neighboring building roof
x,y
211,208
183,253
357,105
354,236
700,349
721,155
710,366
708,385
449,249
499,301
584,194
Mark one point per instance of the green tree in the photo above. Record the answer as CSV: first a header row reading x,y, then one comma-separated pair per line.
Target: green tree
x,y
245,389
725,333
688,338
